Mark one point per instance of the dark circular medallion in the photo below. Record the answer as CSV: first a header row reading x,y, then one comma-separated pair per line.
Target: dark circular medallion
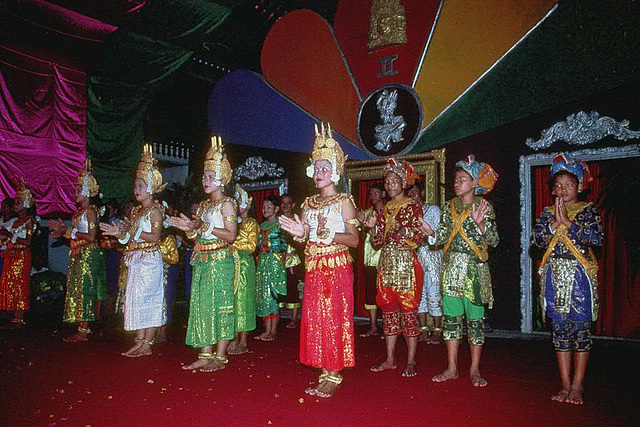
x,y
390,120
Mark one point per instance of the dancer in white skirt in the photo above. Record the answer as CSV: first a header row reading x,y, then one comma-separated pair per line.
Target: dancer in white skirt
x,y
144,306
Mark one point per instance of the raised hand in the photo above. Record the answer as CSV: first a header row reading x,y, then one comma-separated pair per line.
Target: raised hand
x,y
371,220
561,213
293,226
478,213
182,222
124,225
426,228
57,228
110,229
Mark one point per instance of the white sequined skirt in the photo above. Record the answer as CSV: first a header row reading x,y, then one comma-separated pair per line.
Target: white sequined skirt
x,y
145,305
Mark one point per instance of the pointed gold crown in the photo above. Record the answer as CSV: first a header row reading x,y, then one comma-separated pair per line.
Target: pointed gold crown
x,y
327,148
88,182
148,172
24,195
216,160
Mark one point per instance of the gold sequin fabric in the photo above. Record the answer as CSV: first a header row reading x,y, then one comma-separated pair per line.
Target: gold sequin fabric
x,y
463,276
319,256
85,279
15,279
396,268
563,271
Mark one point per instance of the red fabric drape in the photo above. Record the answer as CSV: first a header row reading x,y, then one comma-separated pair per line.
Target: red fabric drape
x,y
362,198
619,288
258,200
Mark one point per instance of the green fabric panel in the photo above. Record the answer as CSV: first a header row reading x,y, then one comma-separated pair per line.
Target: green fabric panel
x,y
138,60
582,48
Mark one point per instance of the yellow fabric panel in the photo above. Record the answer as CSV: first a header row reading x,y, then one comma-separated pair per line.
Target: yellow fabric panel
x,y
470,36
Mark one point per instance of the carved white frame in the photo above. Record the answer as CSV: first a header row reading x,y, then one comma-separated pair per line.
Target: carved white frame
x,y
526,216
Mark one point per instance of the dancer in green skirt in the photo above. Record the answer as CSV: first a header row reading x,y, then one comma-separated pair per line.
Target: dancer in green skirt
x,y
245,281
211,313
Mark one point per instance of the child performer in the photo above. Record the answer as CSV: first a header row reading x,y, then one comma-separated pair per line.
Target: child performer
x,y
569,272
211,313
431,261
398,230
7,218
468,227
15,281
271,277
86,280
245,279
329,224
293,265
144,305
371,260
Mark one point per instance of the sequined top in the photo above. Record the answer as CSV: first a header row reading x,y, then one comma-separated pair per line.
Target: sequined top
x,y
21,229
399,225
271,238
211,215
471,229
80,221
247,238
140,223
331,209
371,255
585,231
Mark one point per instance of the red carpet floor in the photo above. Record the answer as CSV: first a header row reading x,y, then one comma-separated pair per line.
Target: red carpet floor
x,y
45,382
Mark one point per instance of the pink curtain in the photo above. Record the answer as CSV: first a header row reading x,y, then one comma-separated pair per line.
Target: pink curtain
x,y
43,100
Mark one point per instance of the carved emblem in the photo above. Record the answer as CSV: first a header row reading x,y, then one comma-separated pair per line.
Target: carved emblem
x,y
392,126
256,167
583,128
387,25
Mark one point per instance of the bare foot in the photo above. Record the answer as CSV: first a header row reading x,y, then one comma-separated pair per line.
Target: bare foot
x,y
196,365
238,349
213,365
424,336
293,324
161,338
410,370
575,397
232,345
326,389
260,337
269,337
477,380
77,337
561,396
136,346
445,376
434,338
383,366
369,333
144,350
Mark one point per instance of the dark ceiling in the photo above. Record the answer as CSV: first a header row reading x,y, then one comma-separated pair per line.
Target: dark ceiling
x,y
179,112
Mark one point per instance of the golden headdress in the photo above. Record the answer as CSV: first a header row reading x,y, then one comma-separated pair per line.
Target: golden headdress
x,y
148,172
88,182
327,148
216,160
242,197
24,195
403,169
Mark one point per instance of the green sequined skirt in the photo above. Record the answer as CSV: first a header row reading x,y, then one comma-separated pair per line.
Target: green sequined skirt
x,y
86,284
271,281
245,291
211,312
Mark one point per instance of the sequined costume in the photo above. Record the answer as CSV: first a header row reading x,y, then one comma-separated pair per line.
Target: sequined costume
x,y
400,274
569,270
431,261
326,328
144,305
371,260
86,279
466,280
271,277
211,312
16,270
245,279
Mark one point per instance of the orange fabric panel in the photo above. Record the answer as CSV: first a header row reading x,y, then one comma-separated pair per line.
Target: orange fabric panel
x,y
301,59
470,36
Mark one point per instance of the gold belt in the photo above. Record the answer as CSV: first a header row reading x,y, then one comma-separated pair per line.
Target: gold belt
x,y
78,243
139,246
313,250
210,247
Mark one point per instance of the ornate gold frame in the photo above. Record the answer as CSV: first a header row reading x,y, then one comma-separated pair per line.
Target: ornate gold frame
x,y
430,165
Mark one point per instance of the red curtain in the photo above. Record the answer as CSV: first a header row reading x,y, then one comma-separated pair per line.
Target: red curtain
x,y
619,287
258,200
362,199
